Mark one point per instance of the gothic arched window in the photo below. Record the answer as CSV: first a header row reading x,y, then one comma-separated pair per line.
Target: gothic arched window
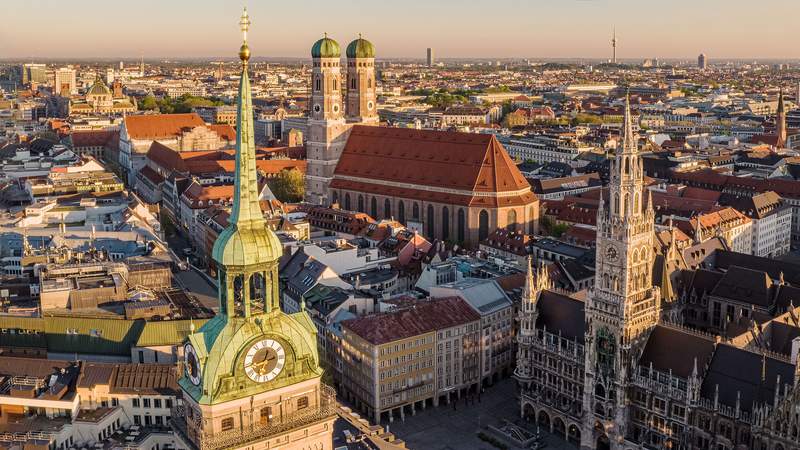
x,y
401,212
511,220
415,211
483,225
373,208
347,201
445,223
318,84
532,220
461,225
387,209
431,231
360,203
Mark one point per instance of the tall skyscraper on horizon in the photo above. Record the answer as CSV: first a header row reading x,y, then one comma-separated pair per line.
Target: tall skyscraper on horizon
x,y
430,60
65,81
702,61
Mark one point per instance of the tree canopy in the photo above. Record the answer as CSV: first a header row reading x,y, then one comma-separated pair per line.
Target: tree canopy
x,y
182,104
288,186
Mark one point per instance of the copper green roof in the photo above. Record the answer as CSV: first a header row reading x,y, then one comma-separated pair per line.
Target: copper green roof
x,y
360,48
99,88
92,335
326,48
247,240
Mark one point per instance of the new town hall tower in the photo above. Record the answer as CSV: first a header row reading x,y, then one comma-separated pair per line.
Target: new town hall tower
x,y
624,305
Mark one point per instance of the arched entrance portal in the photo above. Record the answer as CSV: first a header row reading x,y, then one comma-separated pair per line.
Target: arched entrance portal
x,y
574,435
528,413
603,443
559,428
544,420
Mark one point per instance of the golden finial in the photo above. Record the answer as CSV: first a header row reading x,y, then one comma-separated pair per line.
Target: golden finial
x,y
244,23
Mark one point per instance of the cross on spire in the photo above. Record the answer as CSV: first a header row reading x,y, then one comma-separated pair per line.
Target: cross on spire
x,y
244,24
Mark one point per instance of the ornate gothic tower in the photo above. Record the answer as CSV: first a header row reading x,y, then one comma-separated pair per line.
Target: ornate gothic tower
x,y
252,372
327,127
623,305
362,105
781,122
528,315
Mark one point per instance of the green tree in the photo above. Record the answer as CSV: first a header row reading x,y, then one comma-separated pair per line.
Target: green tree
x,y
148,103
288,186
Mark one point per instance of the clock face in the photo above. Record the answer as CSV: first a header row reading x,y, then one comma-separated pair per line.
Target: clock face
x,y
192,364
317,108
611,253
264,360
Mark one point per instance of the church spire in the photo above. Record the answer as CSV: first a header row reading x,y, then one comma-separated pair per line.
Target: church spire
x,y
246,209
628,138
781,122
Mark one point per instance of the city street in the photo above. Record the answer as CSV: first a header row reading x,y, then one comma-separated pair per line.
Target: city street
x,y
190,280
445,428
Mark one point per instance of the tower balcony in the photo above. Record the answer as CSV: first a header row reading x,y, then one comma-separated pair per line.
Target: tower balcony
x,y
257,431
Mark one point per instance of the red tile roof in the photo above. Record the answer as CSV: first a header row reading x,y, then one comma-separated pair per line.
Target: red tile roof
x,y
419,318
160,126
226,132
93,138
437,159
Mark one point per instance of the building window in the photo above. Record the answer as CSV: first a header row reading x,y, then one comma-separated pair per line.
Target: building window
x,y
511,220
387,209
157,403
483,225
401,212
146,402
415,211
266,413
227,424
135,402
302,403
137,419
373,208
430,231
347,202
445,223
461,225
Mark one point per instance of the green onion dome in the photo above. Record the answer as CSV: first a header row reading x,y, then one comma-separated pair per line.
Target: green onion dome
x,y
361,48
326,48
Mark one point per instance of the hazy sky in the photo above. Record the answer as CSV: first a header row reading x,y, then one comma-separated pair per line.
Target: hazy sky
x,y
403,28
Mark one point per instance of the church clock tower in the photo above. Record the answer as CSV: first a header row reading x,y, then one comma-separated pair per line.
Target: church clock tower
x,y
362,104
251,374
327,127
623,306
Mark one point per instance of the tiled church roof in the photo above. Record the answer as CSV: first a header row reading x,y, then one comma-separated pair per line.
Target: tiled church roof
x,y
432,159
